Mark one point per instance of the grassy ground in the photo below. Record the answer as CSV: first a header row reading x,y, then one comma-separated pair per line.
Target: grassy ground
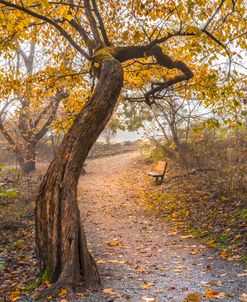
x,y
195,207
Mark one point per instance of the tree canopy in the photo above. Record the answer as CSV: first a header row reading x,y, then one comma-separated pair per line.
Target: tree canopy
x,y
206,40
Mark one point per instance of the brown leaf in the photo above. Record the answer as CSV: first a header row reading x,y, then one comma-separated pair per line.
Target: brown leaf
x,y
142,270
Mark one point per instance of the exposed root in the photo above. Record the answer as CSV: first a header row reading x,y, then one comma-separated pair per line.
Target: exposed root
x,y
87,262
54,290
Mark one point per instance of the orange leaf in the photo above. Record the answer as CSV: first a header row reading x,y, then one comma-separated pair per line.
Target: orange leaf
x,y
63,292
211,293
14,296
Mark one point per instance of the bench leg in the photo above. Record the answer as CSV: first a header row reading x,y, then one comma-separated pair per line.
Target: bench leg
x,y
158,180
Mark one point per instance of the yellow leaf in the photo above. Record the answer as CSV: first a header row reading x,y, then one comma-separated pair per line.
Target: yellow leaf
x,y
187,236
63,292
211,244
125,35
147,285
223,198
136,36
69,17
114,243
44,3
193,29
193,298
196,251
163,268
100,261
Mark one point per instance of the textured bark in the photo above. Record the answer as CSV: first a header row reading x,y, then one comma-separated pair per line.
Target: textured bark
x,y
27,160
60,239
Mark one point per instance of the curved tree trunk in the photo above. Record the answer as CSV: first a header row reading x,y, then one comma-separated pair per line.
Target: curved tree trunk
x,y
60,239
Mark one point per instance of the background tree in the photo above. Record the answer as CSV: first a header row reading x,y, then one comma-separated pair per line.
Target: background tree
x,y
31,97
112,35
168,121
32,118
112,127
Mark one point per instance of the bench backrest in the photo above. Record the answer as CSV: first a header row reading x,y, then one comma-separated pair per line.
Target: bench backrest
x,y
160,167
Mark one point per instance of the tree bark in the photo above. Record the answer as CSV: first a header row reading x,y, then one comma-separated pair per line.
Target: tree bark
x,y
27,160
60,239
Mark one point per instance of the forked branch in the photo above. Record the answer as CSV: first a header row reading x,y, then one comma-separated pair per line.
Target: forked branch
x,y
101,23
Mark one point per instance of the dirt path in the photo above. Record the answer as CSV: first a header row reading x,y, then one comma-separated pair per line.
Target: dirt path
x,y
138,255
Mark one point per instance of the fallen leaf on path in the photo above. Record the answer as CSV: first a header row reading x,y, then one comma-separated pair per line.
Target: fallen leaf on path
x,y
216,294
118,261
194,252
14,296
49,297
212,283
86,293
211,244
224,254
243,298
110,291
186,236
63,292
177,270
208,268
163,268
242,274
211,293
114,243
148,299
147,285
193,298
197,250
171,288
142,270
100,261
223,198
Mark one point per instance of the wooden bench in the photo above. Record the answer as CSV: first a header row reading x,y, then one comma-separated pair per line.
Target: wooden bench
x,y
159,172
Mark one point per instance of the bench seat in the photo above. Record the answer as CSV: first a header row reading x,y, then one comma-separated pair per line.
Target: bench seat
x,y
159,172
154,174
